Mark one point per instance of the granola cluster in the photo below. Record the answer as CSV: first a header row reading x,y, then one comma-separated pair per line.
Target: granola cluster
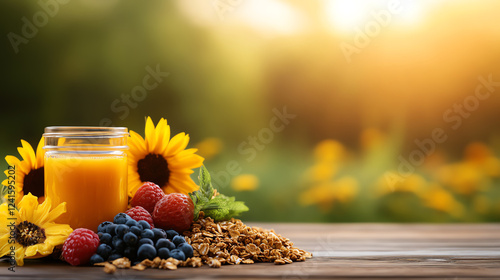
x,y
170,264
233,242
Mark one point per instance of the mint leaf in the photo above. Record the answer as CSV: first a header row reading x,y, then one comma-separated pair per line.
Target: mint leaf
x,y
219,207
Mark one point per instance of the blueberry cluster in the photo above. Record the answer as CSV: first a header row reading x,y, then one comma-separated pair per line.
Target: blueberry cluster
x,y
136,240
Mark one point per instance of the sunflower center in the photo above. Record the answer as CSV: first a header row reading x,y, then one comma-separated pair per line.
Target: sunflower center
x,y
153,168
28,234
34,182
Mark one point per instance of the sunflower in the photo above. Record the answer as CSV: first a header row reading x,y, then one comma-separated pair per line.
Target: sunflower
x,y
157,158
29,171
35,232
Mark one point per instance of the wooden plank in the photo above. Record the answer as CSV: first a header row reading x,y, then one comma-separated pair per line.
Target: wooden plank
x,y
374,251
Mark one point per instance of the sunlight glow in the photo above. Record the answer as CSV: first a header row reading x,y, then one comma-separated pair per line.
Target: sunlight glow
x,y
269,16
347,15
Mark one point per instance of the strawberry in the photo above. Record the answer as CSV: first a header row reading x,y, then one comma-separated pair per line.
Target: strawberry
x,y
147,196
174,211
138,213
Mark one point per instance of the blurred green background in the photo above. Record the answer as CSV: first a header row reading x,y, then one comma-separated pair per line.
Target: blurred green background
x,y
368,84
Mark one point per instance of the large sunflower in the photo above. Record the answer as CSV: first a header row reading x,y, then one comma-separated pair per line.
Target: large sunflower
x,y
157,158
35,232
29,171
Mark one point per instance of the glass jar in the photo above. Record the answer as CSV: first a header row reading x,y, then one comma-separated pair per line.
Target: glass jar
x,y
86,167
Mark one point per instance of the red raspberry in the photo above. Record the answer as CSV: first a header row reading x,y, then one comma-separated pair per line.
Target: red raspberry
x,y
174,211
147,196
80,245
139,213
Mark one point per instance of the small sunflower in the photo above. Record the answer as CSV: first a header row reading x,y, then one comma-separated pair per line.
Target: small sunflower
x,y
34,229
157,158
29,171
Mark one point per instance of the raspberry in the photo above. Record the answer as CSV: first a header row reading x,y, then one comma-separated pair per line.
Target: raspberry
x,y
80,245
138,213
147,196
174,211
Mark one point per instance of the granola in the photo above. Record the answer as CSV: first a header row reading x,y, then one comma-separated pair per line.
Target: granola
x,y
233,242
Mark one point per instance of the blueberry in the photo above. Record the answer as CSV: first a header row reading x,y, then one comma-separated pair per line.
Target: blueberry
x,y
96,259
146,251
102,227
119,245
111,229
121,218
104,251
130,239
178,240
186,249
170,245
171,233
147,233
106,238
159,233
164,253
130,253
146,241
177,254
115,256
136,230
144,224
121,230
161,243
131,223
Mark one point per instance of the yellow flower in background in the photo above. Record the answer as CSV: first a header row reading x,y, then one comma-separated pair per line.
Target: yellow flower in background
x,y
414,183
464,178
481,156
245,182
440,199
36,234
159,159
321,172
329,151
29,170
209,147
326,194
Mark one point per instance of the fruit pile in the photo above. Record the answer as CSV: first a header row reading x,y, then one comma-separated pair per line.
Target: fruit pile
x,y
137,241
136,234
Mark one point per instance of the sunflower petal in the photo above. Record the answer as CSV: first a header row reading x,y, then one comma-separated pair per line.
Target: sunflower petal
x,y
177,144
188,159
56,212
149,134
40,153
27,206
162,136
20,253
29,153
136,142
12,160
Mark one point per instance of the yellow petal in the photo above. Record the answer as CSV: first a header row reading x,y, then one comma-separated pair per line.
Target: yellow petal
x,y
12,160
136,143
27,206
40,153
20,252
56,212
149,134
178,143
28,150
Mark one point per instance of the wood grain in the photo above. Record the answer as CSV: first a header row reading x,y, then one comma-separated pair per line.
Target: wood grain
x,y
364,251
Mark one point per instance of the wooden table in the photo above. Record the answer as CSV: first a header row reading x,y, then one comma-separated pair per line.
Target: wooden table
x,y
368,251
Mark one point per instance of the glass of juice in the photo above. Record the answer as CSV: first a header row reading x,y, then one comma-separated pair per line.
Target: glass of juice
x,y
86,167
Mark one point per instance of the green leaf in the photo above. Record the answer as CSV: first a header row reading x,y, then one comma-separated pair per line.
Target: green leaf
x,y
219,207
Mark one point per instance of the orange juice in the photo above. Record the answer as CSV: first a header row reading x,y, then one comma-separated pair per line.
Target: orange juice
x,y
93,186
